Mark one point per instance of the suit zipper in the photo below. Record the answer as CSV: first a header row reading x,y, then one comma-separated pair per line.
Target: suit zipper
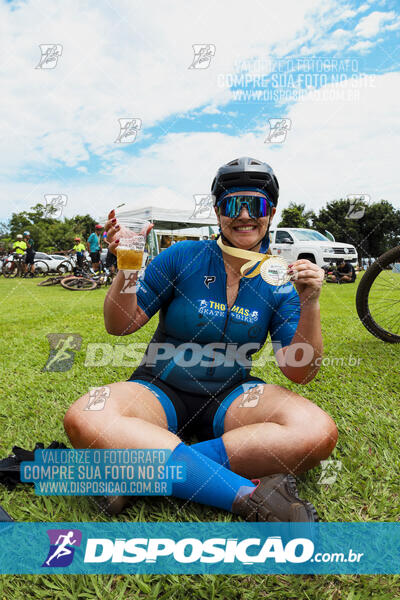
x,y
210,370
228,310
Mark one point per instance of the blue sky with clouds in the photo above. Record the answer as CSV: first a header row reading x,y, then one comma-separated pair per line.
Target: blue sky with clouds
x,y
328,70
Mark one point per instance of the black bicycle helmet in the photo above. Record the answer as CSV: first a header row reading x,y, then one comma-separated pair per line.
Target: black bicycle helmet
x,y
246,172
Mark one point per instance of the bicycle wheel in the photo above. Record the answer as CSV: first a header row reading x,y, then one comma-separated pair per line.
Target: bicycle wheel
x,y
378,298
10,269
50,281
78,283
41,268
64,267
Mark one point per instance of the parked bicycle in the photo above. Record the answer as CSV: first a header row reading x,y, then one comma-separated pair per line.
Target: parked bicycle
x,y
378,297
81,281
70,264
14,266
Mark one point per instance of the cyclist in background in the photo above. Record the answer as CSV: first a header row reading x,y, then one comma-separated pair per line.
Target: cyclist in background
x,y
30,255
79,249
19,246
94,246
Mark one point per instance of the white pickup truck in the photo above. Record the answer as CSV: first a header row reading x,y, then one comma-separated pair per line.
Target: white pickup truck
x,y
294,243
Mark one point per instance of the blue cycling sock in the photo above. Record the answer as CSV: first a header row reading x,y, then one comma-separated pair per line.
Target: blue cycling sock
x,y
214,449
207,482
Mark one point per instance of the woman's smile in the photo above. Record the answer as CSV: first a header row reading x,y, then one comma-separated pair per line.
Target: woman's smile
x,y
244,231
244,228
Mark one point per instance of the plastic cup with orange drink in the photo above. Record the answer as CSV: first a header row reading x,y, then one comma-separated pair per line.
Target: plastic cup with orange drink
x,y
132,240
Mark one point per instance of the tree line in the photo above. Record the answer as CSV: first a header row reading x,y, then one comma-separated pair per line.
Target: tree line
x,y
50,234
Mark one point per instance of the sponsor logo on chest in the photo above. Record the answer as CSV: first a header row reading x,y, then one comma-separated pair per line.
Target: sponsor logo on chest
x,y
218,309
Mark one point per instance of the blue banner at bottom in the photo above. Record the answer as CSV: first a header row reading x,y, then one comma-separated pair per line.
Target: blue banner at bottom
x,y
213,548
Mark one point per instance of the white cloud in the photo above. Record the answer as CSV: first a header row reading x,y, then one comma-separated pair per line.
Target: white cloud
x,y
336,41
348,14
341,147
395,25
362,46
118,61
374,23
211,110
368,27
334,148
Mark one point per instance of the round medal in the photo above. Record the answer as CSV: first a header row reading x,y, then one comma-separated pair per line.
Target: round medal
x,y
274,271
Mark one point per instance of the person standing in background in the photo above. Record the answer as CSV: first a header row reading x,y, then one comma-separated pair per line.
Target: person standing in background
x,y
19,246
111,259
30,255
94,246
79,249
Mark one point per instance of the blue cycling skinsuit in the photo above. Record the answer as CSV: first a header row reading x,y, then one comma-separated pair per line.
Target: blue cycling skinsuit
x,y
199,359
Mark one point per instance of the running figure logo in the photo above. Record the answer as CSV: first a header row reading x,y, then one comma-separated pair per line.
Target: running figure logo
x,y
278,129
251,395
128,129
204,206
62,351
54,205
203,54
358,204
50,53
60,552
97,398
330,470
130,284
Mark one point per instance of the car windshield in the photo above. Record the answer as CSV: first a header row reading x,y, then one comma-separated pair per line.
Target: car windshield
x,y
305,235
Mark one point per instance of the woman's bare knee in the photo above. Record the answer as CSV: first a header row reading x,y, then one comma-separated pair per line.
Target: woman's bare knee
x,y
82,425
319,441
329,437
125,415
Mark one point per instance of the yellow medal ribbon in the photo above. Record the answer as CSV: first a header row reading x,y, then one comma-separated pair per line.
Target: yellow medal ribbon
x,y
254,258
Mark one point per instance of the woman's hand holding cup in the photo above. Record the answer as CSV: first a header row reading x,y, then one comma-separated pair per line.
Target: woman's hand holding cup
x,y
114,229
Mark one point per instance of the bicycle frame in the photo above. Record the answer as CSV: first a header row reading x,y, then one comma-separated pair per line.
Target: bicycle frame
x,y
11,262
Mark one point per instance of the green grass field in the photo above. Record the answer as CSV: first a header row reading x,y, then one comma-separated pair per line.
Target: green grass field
x,y
362,395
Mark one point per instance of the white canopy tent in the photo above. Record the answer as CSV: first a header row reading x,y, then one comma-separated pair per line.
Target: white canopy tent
x,y
172,221
171,218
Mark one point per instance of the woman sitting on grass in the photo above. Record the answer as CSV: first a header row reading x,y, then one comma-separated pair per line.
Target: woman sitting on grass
x,y
254,436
